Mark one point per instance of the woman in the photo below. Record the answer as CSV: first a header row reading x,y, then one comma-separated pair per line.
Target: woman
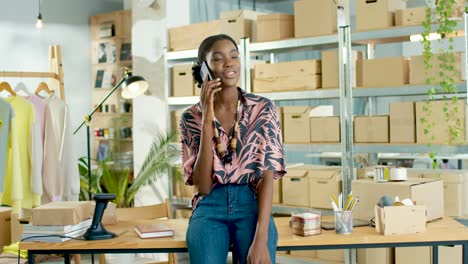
x,y
231,152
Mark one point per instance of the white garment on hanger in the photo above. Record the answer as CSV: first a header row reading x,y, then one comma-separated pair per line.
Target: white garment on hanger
x,y
22,90
60,169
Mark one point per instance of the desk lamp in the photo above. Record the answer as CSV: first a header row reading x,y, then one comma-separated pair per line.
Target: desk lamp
x,y
132,86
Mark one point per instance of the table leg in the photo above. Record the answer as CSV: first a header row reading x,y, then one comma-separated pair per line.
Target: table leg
x,y
435,254
465,253
66,258
30,257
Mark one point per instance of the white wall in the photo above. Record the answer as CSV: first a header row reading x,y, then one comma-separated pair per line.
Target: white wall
x,y
149,40
25,48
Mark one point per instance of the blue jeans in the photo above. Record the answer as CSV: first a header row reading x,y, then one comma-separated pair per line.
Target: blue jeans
x,y
227,215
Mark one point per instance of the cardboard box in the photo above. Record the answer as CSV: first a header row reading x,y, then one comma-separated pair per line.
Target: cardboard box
x,y
183,213
190,36
386,72
296,187
175,124
284,69
418,73
287,76
376,14
304,253
17,222
336,255
323,183
402,122
423,255
455,190
325,129
298,82
5,227
428,192
314,18
278,191
238,23
441,128
410,16
62,213
110,214
296,121
331,67
400,220
375,255
274,27
371,129
182,80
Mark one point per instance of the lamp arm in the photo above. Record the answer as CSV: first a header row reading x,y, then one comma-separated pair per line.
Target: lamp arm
x,y
88,117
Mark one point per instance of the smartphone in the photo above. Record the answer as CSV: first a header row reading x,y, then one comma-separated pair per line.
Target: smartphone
x,y
205,71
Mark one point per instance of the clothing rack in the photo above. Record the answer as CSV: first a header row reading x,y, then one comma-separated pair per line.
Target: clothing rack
x,y
55,73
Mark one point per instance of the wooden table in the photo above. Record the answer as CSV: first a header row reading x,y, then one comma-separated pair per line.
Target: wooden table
x,y
442,232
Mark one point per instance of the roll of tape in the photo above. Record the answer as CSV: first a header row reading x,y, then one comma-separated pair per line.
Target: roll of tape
x,y
398,174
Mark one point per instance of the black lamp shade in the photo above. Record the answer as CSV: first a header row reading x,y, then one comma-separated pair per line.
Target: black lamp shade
x,y
133,86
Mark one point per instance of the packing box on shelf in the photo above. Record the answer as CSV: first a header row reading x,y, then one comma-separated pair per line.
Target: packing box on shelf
x,y
376,14
182,80
402,122
384,72
296,121
331,67
62,213
371,129
296,187
418,73
325,129
274,27
287,68
287,76
278,191
410,16
5,227
323,183
314,18
238,23
375,255
441,128
455,190
423,255
190,36
399,220
428,192
175,124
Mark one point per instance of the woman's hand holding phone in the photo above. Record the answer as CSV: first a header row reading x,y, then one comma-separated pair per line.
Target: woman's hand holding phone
x,y
208,89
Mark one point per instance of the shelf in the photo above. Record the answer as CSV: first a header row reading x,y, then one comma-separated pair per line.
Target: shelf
x,y
182,55
332,94
113,139
295,44
113,114
379,148
189,100
393,34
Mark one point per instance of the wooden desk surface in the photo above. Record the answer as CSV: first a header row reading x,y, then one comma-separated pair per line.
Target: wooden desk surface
x,y
446,229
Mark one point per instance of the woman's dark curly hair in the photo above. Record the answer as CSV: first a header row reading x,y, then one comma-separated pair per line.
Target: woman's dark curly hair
x,y
204,48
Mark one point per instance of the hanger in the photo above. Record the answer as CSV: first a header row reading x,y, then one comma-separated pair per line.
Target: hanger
x,y
21,87
4,86
42,87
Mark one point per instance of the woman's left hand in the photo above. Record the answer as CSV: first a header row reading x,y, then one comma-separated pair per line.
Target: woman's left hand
x,y
258,253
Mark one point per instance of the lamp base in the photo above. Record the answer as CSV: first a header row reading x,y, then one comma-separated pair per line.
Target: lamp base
x,y
98,233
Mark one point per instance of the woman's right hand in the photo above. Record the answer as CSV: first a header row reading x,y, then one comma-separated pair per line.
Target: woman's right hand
x,y
208,90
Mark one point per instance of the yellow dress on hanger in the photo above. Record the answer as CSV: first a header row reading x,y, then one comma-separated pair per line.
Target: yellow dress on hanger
x,y
15,194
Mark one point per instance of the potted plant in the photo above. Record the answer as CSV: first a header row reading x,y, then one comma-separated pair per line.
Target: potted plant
x,y
106,178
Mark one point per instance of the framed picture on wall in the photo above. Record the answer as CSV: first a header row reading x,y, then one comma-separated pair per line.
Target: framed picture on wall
x,y
126,52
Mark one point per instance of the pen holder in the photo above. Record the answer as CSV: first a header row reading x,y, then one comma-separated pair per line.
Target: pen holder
x,y
343,222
